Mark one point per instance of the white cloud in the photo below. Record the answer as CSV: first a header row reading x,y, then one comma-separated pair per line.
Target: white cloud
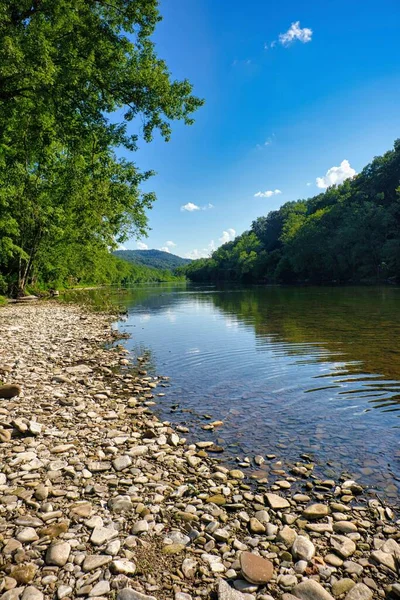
x,y
165,249
227,236
308,183
170,244
190,207
121,247
204,253
336,175
142,246
267,194
295,32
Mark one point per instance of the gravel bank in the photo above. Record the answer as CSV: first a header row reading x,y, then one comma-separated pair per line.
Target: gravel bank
x,y
99,499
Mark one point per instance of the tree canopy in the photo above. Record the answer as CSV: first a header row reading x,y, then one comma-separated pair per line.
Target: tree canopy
x,y
350,233
79,80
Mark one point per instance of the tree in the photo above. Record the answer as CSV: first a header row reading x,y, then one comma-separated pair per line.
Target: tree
x,y
73,75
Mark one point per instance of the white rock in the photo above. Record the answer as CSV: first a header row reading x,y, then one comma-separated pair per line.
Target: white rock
x,y
303,548
102,588
58,554
123,566
277,502
32,593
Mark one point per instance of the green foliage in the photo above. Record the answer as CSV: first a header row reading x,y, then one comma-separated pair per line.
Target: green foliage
x,y
350,233
153,258
73,75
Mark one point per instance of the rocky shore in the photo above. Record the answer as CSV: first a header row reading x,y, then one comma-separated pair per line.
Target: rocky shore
x,y
99,499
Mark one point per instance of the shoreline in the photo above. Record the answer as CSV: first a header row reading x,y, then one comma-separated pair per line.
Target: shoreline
x,y
99,499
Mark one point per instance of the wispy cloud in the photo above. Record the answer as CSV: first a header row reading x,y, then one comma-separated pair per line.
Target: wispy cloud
x,y
142,246
336,175
268,142
238,63
190,207
296,33
267,194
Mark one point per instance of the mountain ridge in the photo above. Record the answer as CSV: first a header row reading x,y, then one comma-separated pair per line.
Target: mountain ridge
x,y
157,259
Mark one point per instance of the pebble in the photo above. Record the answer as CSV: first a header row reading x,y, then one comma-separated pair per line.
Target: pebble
x,y
303,548
101,499
311,590
32,593
58,554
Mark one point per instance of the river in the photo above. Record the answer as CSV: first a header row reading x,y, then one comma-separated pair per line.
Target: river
x,y
288,371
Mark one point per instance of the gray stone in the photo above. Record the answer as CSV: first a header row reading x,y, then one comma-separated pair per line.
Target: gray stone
x,y
244,586
311,590
277,502
141,526
101,535
58,554
63,591
287,536
122,462
13,594
391,547
189,567
225,592
26,535
32,593
177,537
303,548
344,527
359,592
129,594
342,586
123,566
316,511
384,558
102,588
343,545
120,504
95,561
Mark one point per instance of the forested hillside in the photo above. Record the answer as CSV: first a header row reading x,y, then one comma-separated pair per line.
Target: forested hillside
x,y
157,259
78,79
350,233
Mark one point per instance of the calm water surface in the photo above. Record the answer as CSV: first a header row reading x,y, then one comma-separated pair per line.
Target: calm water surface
x,y
287,370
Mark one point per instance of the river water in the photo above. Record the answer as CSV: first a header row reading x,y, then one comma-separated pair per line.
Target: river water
x,y
288,370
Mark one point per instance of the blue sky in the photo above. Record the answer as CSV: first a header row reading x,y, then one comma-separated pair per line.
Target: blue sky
x,y
277,119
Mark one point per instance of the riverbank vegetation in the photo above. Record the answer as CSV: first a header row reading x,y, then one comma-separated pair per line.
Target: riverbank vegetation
x,y
350,233
73,76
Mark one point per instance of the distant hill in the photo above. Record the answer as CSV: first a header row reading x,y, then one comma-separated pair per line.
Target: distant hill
x,y
153,258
